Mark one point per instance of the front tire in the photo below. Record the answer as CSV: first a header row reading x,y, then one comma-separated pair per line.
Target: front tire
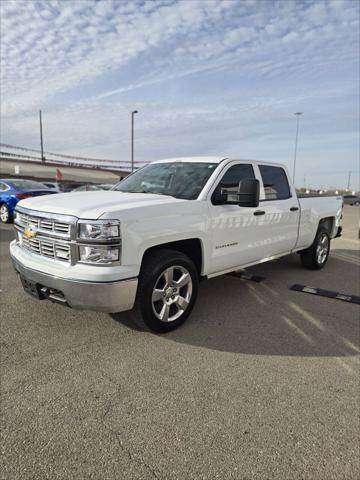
x,y
5,216
316,256
167,291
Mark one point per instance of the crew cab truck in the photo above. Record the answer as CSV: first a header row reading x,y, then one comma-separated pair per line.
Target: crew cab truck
x,y
148,242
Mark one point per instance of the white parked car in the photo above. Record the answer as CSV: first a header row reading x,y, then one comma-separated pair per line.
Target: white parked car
x,y
149,241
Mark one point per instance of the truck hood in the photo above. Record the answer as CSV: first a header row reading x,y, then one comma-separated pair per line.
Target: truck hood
x,y
94,204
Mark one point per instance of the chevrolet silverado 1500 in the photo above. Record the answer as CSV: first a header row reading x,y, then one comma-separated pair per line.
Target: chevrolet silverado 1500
x,y
147,242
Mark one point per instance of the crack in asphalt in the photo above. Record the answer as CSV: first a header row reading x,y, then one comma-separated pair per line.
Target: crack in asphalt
x,y
49,353
135,459
138,461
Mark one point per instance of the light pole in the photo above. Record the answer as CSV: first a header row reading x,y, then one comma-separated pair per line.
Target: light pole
x,y
41,139
348,184
132,138
296,142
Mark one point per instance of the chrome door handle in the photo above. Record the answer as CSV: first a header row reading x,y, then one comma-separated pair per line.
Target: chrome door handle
x,y
259,212
294,209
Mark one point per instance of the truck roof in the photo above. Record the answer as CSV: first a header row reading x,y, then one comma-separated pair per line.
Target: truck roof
x,y
201,159
212,159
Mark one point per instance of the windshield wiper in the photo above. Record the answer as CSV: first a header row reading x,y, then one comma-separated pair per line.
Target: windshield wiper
x,y
149,191
137,191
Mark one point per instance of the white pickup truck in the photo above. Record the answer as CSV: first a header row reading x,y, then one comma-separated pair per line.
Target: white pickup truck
x,y
149,241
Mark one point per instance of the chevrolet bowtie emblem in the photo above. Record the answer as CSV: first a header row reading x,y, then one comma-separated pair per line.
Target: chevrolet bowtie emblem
x,y
29,233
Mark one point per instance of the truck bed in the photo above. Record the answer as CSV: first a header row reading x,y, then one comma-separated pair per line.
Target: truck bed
x,y
315,208
316,195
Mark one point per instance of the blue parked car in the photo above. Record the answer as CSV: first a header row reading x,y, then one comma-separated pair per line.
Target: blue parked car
x,y
14,190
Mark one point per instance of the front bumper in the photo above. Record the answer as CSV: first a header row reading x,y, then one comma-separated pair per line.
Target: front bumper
x,y
84,295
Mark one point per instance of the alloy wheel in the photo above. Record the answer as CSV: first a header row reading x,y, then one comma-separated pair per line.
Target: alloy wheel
x,y
4,213
172,293
322,249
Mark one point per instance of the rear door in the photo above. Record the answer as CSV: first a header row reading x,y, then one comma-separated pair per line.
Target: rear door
x,y
279,211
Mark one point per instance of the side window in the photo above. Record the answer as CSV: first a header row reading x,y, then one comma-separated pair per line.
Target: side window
x,y
231,180
275,181
3,187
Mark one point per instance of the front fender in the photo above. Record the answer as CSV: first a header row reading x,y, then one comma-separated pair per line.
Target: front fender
x,y
139,236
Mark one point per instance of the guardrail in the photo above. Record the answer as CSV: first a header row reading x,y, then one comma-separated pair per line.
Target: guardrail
x,y
65,159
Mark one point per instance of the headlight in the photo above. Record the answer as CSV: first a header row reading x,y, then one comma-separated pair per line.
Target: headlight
x,y
102,230
99,254
100,241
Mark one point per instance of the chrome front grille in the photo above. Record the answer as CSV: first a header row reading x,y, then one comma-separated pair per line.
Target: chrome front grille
x,y
49,235
43,224
47,248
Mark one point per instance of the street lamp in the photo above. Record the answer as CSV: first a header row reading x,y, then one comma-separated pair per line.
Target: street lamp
x,y
132,138
41,138
296,142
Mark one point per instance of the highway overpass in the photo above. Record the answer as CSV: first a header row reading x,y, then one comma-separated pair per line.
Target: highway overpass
x,y
47,171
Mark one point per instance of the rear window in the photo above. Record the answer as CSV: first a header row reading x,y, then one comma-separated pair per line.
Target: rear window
x,y
275,182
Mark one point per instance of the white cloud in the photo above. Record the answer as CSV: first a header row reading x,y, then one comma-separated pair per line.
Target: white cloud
x,y
86,63
83,42
52,47
317,13
290,37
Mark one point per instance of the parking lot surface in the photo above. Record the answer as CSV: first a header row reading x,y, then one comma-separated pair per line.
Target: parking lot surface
x,y
261,382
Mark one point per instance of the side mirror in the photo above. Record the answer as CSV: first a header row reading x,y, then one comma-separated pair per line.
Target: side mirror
x,y
247,195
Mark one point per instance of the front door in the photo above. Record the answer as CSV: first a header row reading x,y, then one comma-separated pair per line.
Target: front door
x,y
234,230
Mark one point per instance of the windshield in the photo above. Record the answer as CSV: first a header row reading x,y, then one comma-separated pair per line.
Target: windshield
x,y
177,179
28,185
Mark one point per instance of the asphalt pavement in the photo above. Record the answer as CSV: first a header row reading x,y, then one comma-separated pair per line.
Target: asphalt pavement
x,y
262,382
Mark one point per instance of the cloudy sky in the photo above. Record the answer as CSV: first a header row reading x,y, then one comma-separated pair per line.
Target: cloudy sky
x,y
207,76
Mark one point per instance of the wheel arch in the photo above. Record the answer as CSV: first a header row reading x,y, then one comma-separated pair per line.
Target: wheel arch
x,y
328,224
191,247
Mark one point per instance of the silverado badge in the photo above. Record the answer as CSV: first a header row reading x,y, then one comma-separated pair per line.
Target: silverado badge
x,y
29,233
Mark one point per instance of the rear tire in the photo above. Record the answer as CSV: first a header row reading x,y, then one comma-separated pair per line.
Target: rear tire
x,y
316,256
167,291
5,216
